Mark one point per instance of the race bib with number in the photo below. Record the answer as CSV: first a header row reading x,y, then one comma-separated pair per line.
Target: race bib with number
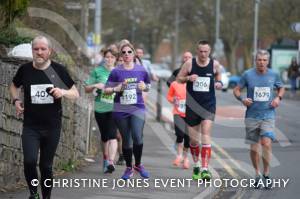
x,y
129,97
262,94
181,106
201,84
39,95
107,98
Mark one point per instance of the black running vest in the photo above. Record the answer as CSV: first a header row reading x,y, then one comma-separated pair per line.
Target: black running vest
x,y
205,98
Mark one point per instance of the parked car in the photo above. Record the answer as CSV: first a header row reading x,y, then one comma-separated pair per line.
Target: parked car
x,y
233,81
224,78
161,70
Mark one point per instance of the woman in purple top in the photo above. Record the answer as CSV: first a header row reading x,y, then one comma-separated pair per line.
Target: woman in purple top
x,y
128,81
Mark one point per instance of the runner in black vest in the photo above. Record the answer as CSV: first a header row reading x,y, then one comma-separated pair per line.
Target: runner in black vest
x,y
202,75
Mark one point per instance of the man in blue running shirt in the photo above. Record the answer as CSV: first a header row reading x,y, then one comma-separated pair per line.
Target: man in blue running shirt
x,y
261,101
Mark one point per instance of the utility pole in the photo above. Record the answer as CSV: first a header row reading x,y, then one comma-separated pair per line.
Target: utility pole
x,y
84,18
256,10
217,21
218,46
98,25
176,36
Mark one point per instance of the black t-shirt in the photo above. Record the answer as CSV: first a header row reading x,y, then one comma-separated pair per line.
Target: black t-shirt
x,y
41,110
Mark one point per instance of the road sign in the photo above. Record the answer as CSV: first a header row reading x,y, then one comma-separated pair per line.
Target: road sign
x,y
218,49
295,27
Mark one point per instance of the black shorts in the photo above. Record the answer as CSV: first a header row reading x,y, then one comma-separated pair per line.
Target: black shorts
x,y
107,126
193,118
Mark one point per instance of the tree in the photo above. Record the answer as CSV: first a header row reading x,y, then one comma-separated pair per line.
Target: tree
x,y
10,9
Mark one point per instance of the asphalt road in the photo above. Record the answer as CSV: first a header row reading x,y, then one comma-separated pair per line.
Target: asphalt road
x,y
230,160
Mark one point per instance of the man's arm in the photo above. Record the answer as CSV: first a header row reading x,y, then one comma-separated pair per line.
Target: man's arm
x,y
238,95
182,76
14,91
218,75
15,94
277,99
217,70
71,93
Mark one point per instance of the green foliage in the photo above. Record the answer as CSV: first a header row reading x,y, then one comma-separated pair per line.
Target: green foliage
x,y
10,9
63,59
68,166
10,37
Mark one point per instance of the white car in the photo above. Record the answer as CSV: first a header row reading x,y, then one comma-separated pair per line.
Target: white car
x,y
161,70
224,78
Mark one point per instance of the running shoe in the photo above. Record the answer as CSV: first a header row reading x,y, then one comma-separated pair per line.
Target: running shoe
x,y
186,163
196,173
177,161
267,182
110,168
128,173
121,160
105,165
34,196
206,175
257,184
142,171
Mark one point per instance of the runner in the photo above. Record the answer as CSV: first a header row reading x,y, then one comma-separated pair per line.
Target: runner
x,y
121,160
261,102
185,56
128,81
177,97
103,108
200,74
45,83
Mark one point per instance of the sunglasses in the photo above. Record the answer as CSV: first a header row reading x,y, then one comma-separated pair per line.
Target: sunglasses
x,y
128,52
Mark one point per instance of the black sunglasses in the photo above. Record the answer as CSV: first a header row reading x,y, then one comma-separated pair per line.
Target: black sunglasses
x,y
128,52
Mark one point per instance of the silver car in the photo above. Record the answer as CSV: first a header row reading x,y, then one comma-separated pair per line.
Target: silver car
x,y
161,70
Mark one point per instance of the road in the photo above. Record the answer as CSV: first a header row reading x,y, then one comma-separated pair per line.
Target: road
x,y
233,155
230,159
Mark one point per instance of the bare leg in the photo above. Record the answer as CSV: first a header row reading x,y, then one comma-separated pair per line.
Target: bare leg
x,y
266,144
112,149
254,155
206,126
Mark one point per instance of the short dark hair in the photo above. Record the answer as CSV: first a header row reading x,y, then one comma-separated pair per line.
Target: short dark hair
x,y
109,50
203,42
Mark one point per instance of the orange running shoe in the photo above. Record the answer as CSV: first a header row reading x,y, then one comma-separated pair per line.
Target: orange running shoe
x,y
177,161
186,163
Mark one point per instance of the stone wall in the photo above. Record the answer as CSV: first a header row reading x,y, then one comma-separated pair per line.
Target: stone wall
x,y
74,136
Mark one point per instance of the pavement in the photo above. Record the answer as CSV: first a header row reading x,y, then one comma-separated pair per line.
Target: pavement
x,y
166,180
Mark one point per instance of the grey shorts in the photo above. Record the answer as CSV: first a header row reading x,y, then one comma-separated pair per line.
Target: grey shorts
x,y
256,129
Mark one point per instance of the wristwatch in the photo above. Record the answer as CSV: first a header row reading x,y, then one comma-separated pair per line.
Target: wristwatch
x,y
280,98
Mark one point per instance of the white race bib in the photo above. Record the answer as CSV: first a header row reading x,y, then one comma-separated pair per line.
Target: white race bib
x,y
262,94
181,106
129,97
107,98
201,84
39,95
